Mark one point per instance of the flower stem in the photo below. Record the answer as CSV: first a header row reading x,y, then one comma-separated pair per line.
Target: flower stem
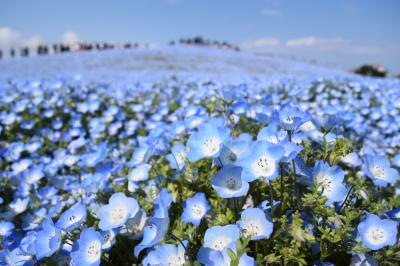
x,y
345,199
271,197
282,187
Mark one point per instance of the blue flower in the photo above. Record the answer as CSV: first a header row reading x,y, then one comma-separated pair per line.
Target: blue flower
x,y
331,181
166,254
48,240
117,212
158,224
109,238
233,148
378,169
72,218
290,118
363,259
352,159
207,141
195,208
92,159
261,160
6,228
140,172
87,250
177,157
219,237
376,233
211,257
396,160
394,214
228,182
140,155
254,223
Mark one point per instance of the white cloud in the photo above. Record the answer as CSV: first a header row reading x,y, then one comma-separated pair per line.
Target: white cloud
x,y
307,41
310,45
260,43
270,12
9,38
33,41
313,41
70,37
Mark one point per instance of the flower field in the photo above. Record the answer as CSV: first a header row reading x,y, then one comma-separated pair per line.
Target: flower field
x,y
190,170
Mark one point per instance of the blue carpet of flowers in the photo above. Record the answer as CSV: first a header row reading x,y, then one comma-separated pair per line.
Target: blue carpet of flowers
x,y
190,171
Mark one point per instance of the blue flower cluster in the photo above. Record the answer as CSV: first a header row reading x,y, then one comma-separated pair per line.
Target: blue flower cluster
x,y
276,170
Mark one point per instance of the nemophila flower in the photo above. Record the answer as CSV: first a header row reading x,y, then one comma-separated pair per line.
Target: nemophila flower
x,y
233,148
6,228
27,244
72,218
177,157
92,159
254,223
134,226
228,182
139,173
352,159
109,239
303,172
331,182
290,118
207,141
261,160
211,257
48,240
140,155
376,233
394,214
195,208
16,257
117,212
158,223
20,166
378,169
32,175
219,237
19,205
166,254
363,259
291,150
87,250
396,160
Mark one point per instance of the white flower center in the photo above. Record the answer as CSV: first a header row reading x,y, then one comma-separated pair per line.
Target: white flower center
x,y
93,251
231,183
117,214
229,156
211,145
375,235
220,243
288,119
175,260
198,211
326,182
378,171
251,228
263,166
73,218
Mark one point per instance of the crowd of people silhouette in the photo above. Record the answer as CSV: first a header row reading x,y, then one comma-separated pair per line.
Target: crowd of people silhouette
x,y
58,48
199,41
65,48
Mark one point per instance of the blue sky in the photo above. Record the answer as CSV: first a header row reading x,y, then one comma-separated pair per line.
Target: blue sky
x,y
346,33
